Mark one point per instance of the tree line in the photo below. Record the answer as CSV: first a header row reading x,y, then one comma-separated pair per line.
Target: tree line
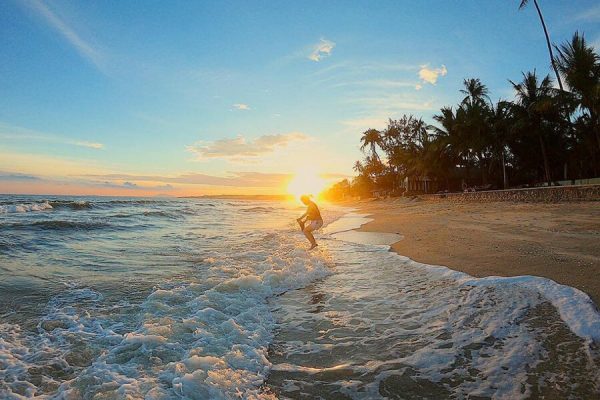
x,y
542,136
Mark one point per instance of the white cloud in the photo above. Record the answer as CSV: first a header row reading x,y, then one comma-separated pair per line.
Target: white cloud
x,y
10,132
418,86
321,50
83,48
431,75
91,145
241,106
239,147
366,123
387,104
239,179
376,83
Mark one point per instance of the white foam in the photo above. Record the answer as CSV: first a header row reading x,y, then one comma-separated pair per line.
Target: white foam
x,y
396,318
204,343
23,208
574,306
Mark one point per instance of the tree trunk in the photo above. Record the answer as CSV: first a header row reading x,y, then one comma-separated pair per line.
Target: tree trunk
x,y
504,177
546,163
537,7
483,170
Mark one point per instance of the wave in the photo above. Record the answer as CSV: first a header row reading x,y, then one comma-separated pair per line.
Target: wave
x,y
23,208
71,204
575,307
137,201
258,209
195,340
59,225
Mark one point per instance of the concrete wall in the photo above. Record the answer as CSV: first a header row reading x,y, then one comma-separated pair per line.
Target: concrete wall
x,y
553,194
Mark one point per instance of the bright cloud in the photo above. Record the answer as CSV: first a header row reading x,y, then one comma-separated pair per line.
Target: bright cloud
x,y
241,106
239,147
418,86
431,75
321,50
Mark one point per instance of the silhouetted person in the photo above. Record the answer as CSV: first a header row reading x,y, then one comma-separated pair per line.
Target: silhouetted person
x,y
312,222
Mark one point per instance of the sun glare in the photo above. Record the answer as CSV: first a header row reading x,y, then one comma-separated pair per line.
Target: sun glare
x,y
306,183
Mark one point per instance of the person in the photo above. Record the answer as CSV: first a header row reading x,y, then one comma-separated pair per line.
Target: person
x,y
311,220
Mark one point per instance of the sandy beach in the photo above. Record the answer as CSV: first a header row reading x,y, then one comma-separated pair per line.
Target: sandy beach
x,y
557,241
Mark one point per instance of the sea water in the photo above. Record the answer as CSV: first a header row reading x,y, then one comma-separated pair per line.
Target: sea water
x,y
115,298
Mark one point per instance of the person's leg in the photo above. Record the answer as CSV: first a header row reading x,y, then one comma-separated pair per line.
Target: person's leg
x,y
308,233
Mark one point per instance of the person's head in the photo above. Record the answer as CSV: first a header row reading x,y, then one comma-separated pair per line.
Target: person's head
x,y
305,199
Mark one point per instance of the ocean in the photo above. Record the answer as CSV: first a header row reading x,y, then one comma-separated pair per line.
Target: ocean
x,y
149,298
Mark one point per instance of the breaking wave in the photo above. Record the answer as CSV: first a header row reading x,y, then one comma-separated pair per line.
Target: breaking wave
x,y
207,338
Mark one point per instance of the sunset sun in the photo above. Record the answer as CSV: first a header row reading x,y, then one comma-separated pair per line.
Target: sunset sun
x,y
306,182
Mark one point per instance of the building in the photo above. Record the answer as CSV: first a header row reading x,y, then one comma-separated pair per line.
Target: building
x,y
419,184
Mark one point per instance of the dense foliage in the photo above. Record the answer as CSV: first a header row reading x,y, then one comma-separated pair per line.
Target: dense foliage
x,y
542,136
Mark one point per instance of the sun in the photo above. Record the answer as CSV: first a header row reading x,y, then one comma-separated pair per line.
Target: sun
x,y
306,182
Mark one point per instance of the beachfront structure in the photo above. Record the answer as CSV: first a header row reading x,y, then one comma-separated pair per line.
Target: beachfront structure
x,y
419,184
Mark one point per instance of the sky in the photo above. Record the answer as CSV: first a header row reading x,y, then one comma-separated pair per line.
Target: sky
x,y
176,98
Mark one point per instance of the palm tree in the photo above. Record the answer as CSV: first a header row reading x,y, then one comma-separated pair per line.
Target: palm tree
x,y
534,100
537,7
475,91
501,122
358,167
371,138
452,144
580,65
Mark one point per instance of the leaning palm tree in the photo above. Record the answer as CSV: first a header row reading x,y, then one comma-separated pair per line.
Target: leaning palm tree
x,y
370,139
537,7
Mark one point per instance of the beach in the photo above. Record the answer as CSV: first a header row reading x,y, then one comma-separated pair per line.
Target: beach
x,y
558,241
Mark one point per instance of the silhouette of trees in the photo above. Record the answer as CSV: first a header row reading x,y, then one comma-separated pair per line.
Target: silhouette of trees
x,y
542,136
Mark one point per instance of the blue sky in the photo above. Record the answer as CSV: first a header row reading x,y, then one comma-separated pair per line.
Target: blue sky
x,y
181,97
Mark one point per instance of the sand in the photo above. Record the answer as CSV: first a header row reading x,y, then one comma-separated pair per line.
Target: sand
x,y
557,241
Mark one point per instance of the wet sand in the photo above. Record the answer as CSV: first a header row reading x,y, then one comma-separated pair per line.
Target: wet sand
x,y
557,241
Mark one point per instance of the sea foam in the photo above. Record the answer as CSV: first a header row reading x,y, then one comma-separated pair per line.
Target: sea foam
x,y
574,306
198,340
23,208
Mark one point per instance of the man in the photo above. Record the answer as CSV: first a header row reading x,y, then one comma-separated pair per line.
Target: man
x,y
311,220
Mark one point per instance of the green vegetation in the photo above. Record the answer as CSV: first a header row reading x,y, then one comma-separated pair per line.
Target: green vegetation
x,y
542,136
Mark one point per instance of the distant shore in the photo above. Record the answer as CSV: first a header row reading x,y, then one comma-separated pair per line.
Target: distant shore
x,y
557,241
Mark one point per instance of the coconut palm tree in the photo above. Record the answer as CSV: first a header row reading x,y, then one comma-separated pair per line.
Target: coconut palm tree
x,y
501,124
522,5
535,99
475,91
370,139
580,65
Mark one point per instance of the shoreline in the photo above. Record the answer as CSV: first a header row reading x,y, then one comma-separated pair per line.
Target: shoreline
x,y
555,241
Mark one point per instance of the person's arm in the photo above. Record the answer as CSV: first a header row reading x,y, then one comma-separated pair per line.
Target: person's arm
x,y
302,216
